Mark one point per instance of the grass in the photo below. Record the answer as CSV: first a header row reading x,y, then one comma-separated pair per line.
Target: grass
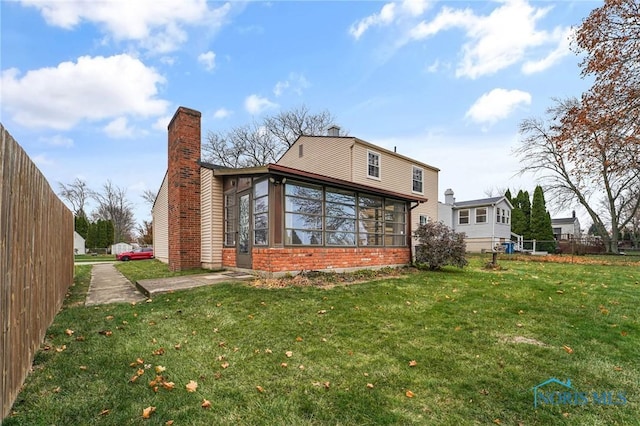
x,y
96,258
142,269
351,351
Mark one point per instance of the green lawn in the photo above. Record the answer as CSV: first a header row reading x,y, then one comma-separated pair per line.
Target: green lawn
x,y
448,348
96,258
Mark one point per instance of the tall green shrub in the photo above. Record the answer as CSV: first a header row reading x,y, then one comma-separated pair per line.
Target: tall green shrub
x,y
541,229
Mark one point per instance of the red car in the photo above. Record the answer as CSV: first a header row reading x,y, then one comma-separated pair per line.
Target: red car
x,y
137,254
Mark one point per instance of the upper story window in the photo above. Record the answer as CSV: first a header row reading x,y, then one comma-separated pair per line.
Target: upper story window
x,y
481,215
424,219
373,165
417,179
463,217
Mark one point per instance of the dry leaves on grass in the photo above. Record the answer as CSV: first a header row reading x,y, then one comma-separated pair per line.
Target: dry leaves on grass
x,y
147,412
567,349
192,386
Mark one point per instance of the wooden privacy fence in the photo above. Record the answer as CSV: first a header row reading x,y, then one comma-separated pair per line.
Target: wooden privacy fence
x,y
36,263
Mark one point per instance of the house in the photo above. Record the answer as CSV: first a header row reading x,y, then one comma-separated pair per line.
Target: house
x,y
330,203
78,244
121,247
486,222
566,228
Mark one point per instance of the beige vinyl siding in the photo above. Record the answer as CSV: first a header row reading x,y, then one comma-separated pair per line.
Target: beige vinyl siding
x,y
327,156
211,220
160,216
396,172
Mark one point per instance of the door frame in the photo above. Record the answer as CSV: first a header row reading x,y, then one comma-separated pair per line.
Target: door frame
x,y
245,230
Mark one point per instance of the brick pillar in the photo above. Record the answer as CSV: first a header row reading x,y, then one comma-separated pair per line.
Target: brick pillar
x,y
184,190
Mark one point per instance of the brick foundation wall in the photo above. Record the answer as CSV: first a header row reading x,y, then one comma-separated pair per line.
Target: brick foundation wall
x,y
229,257
184,189
310,258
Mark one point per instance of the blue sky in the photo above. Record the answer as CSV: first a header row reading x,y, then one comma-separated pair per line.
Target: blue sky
x,y
88,87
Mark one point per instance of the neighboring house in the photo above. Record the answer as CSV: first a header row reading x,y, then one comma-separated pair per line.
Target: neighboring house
x,y
78,244
486,222
330,203
121,248
566,228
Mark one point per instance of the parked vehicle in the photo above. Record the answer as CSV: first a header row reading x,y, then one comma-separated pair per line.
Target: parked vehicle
x,y
137,254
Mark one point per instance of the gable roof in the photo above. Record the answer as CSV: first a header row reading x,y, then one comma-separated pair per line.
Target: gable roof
x,y
289,172
481,202
564,221
352,139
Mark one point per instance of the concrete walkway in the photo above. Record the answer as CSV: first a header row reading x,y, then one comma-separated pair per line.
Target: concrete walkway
x,y
108,285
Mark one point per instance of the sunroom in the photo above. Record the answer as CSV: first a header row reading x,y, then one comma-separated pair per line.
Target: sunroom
x,y
279,219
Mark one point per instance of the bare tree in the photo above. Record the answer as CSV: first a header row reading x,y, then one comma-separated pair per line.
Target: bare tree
x,y
583,161
149,197
261,143
114,206
77,194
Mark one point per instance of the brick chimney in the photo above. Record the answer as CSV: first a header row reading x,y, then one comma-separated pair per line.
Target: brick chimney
x,y
184,189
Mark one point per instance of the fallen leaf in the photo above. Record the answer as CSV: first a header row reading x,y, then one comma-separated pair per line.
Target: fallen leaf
x,y
191,386
177,346
567,349
68,332
322,312
413,363
57,390
134,378
83,367
80,339
370,385
268,351
623,333
497,421
160,369
559,292
146,413
109,317
104,412
105,332
140,372
260,389
206,403
224,365
283,365
409,394
298,339
139,360
61,348
326,385
301,367
289,354
168,385
169,423
617,368
159,351
221,344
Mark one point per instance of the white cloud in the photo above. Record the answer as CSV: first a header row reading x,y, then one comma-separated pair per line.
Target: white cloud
x,y
563,35
93,88
497,105
162,122
222,113
297,83
119,128
509,34
156,25
58,140
385,17
208,59
255,104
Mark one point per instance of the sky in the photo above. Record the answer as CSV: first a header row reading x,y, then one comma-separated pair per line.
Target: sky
x,y
88,87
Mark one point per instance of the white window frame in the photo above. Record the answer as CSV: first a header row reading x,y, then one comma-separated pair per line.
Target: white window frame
x,y
468,217
413,170
486,211
379,165
424,219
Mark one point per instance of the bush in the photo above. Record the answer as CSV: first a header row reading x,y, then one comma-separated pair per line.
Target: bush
x,y
439,246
